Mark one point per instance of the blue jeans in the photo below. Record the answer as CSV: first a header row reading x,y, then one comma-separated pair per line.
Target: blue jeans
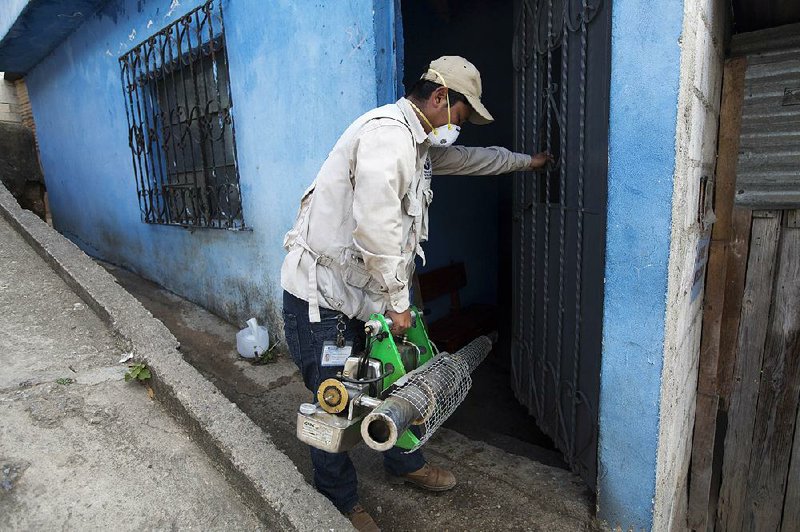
x,y
334,474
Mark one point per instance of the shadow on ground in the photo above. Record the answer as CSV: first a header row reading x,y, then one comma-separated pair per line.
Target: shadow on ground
x,y
497,490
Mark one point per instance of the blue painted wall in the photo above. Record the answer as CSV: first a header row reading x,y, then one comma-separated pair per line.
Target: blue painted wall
x,y
388,27
644,99
31,32
300,72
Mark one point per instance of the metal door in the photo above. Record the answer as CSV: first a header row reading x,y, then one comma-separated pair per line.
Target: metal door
x,y
562,60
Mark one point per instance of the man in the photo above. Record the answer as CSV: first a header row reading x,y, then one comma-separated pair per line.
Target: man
x,y
359,228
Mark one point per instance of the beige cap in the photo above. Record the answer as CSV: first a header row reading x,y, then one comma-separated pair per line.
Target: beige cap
x,y
458,74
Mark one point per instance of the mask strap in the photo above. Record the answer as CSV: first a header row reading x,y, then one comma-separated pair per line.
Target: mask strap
x,y
447,95
425,118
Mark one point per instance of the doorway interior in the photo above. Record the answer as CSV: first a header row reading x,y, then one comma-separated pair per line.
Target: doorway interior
x,y
470,219
532,244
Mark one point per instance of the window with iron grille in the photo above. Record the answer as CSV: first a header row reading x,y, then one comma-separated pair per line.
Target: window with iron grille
x,y
180,126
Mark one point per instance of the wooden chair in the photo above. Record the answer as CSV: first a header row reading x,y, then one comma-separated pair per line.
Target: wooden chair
x,y
461,325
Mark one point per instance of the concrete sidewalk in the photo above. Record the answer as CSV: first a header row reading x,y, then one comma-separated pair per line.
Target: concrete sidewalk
x,y
263,476
79,447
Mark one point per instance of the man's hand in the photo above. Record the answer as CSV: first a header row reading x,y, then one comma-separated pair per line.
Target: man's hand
x,y
401,321
539,161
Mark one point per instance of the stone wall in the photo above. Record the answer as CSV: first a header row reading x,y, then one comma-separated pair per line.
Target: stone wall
x,y
19,162
9,105
15,105
705,24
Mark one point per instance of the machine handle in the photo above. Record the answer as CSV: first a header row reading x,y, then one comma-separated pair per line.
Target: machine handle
x,y
373,327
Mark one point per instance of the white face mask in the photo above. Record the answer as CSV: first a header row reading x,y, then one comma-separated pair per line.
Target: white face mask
x,y
444,136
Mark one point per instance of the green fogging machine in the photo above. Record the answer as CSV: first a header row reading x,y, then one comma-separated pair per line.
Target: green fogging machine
x,y
398,392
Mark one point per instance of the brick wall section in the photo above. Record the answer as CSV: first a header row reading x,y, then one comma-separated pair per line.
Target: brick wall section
x,y
15,105
24,106
9,106
705,27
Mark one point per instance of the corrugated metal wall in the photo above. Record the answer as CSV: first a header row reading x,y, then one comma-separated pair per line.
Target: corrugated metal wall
x,y
768,172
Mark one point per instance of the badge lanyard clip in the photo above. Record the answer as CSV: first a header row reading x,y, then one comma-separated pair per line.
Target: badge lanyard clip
x,y
336,353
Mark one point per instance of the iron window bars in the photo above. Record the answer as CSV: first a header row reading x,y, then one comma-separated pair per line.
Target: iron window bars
x,y
180,127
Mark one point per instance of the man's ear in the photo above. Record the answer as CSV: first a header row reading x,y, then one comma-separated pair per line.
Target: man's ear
x,y
439,96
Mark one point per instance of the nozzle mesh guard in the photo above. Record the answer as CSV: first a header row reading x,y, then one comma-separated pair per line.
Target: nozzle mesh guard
x,y
438,387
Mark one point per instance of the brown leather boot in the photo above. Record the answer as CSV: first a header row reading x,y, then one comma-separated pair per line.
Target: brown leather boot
x,y
361,520
429,477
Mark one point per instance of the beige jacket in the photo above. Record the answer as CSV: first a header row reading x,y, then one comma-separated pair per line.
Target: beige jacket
x,y
362,220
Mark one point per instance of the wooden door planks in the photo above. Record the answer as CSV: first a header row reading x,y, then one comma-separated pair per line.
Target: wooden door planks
x,y
791,504
707,398
702,460
722,231
793,218
732,306
747,369
778,394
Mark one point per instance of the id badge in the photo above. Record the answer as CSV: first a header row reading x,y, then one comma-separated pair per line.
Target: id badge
x,y
333,355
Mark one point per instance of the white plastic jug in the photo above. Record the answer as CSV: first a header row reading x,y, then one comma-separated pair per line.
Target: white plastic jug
x,y
253,340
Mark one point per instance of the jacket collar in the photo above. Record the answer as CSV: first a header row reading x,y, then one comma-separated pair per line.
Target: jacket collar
x,y
413,121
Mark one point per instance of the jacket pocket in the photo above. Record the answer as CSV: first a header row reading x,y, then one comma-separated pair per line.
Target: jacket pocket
x,y
355,272
412,205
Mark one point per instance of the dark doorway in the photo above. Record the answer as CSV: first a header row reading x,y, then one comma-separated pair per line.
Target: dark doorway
x,y
532,244
471,217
